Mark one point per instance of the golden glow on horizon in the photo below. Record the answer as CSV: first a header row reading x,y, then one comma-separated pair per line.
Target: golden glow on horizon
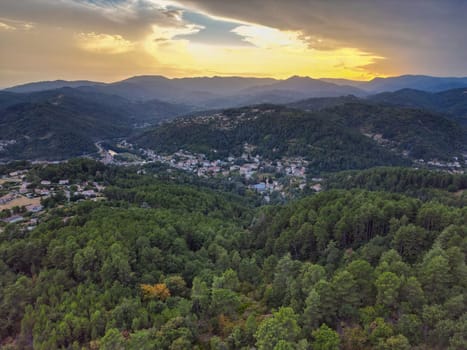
x,y
273,53
174,48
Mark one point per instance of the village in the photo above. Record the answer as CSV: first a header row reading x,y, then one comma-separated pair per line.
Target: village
x,y
25,202
453,167
261,175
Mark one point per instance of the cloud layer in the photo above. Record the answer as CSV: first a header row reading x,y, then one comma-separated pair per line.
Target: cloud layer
x,y
112,39
425,36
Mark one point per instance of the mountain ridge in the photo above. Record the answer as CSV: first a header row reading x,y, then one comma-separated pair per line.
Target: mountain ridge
x,y
62,123
406,79
352,135
413,81
49,85
451,103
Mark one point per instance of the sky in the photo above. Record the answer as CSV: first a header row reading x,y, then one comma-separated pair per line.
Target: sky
x,y
109,40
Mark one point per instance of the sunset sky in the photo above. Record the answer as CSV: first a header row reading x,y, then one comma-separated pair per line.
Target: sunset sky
x,y
108,40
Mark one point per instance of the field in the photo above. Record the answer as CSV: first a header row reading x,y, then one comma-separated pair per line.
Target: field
x,y
5,180
20,201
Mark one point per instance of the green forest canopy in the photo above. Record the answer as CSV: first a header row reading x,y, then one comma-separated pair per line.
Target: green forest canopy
x,y
198,268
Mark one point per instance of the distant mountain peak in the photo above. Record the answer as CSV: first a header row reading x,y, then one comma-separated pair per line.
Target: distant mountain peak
x,y
144,78
50,85
300,78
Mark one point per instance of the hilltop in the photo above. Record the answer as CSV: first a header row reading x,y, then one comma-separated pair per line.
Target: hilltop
x,y
62,123
349,136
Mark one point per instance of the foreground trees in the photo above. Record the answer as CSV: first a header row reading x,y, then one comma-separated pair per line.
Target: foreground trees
x,y
194,269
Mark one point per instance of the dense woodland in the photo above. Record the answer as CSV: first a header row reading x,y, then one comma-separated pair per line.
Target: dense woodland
x,y
66,122
62,123
342,135
418,133
423,184
452,103
276,132
166,263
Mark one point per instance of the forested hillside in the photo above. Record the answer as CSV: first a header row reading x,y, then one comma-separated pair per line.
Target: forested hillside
x,y
337,135
410,81
163,264
408,121
417,133
274,132
319,103
63,123
453,102
59,124
401,180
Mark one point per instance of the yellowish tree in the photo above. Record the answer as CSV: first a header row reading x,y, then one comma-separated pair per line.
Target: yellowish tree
x,y
155,291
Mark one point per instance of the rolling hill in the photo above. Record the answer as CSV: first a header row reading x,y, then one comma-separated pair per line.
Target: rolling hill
x,y
222,92
204,92
413,132
348,136
308,87
319,103
451,102
227,92
275,132
417,82
58,124
50,85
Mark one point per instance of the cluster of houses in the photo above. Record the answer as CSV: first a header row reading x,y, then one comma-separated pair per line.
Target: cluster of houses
x,y
27,197
456,165
262,175
453,166
18,196
259,174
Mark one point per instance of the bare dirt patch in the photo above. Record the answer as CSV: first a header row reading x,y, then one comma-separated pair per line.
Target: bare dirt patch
x,y
13,180
20,201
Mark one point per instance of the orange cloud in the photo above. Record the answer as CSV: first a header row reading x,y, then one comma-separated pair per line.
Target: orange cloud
x,y
104,43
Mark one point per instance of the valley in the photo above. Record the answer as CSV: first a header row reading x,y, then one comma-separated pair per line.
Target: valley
x,y
233,175
162,258
147,224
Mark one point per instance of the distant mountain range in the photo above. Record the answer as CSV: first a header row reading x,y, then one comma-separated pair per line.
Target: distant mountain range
x,y
216,92
61,119
451,103
417,82
50,85
224,92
